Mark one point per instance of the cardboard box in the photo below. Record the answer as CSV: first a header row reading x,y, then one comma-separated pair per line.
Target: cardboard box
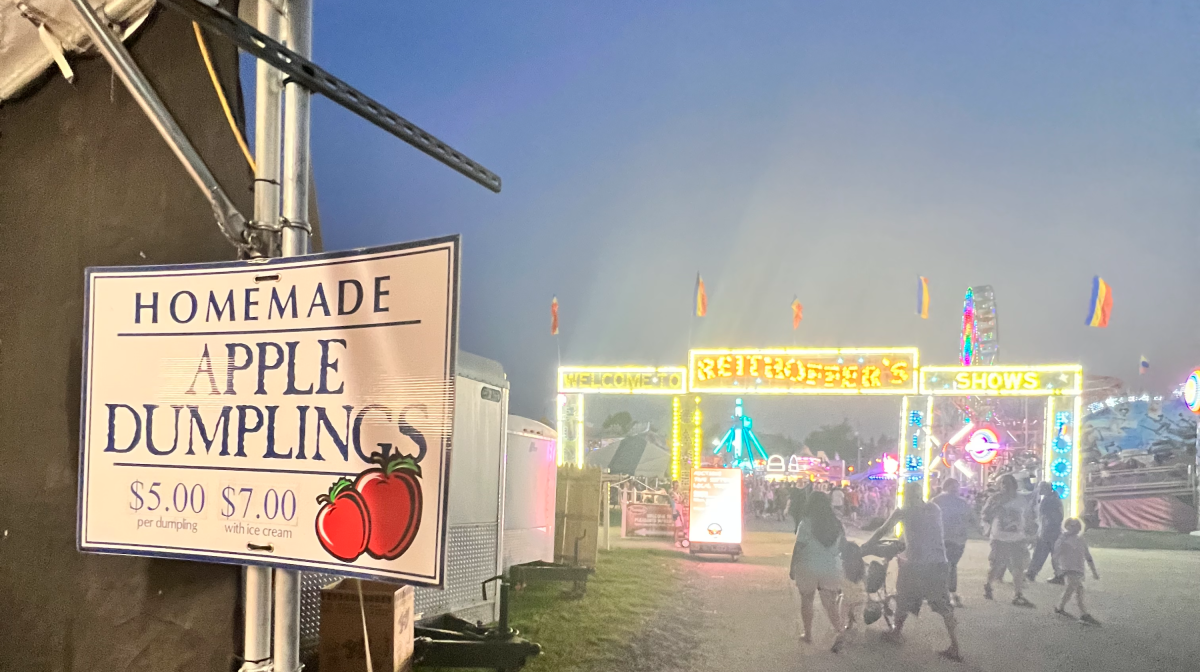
x,y
389,615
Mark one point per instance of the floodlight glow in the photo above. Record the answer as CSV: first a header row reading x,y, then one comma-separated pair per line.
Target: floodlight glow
x,y
676,437
961,433
966,470
891,465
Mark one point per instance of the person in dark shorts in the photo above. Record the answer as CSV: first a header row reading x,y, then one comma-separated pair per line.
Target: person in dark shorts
x,y
924,571
1050,521
958,518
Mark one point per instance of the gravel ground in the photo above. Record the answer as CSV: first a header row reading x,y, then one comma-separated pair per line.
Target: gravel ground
x,y
745,615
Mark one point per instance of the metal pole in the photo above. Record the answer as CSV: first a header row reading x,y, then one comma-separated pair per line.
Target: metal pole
x,y
267,92
294,242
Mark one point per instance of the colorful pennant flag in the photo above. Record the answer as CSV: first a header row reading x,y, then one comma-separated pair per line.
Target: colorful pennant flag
x,y
554,316
701,297
923,297
1100,307
1143,366
797,313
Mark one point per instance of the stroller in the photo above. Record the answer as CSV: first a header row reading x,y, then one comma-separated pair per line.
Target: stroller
x,y
880,602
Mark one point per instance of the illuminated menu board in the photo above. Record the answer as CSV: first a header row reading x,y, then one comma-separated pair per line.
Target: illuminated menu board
x,y
716,507
804,371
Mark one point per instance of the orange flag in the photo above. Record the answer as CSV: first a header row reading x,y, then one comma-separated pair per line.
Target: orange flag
x,y
554,316
797,313
701,297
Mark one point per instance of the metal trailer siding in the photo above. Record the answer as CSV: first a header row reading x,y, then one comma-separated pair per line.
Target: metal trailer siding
x,y
531,474
475,512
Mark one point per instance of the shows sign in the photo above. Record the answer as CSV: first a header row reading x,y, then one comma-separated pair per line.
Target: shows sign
x,y
294,413
715,516
1024,381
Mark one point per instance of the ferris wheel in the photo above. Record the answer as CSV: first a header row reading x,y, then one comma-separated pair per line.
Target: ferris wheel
x,y
980,341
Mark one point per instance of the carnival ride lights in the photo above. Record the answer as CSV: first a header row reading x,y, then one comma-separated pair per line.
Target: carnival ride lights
x,y
967,350
1060,465
891,466
740,442
984,445
979,343
1191,392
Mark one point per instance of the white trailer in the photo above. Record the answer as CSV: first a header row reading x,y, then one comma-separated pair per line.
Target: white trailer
x,y
531,475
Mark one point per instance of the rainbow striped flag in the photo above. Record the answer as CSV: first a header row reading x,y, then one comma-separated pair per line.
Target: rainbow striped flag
x,y
1100,307
923,297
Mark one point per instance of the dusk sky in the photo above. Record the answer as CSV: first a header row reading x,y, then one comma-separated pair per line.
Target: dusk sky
x,y
831,151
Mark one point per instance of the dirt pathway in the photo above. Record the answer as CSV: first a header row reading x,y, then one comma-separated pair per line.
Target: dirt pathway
x,y
750,620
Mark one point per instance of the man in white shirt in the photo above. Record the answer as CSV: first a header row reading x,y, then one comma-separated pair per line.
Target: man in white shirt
x,y
1006,511
838,499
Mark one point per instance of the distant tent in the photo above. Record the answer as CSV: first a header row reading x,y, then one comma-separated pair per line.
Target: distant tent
x,y
638,455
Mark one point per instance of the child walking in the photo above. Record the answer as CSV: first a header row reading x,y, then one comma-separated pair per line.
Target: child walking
x,y
854,593
1072,552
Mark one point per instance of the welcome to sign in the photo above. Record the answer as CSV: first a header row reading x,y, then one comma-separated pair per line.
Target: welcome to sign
x,y
294,413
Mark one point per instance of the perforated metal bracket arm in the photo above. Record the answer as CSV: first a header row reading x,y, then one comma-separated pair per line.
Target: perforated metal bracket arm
x,y
312,77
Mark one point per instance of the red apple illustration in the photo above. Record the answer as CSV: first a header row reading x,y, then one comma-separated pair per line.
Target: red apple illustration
x,y
344,521
393,496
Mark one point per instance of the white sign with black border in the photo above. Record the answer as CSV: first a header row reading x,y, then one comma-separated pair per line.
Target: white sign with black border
x,y
294,413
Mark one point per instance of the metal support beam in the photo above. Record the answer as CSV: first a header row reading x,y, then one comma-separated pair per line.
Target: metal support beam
x,y
229,220
309,75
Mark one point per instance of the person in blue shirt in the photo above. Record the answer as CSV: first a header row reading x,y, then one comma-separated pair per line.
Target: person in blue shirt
x,y
958,519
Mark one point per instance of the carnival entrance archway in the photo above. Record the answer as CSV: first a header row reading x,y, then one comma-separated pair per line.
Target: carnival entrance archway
x,y
933,399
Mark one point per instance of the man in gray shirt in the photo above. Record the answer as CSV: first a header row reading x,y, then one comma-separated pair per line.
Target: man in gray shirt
x,y
958,518
923,572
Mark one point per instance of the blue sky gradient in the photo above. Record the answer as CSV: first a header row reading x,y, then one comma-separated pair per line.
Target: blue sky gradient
x,y
830,151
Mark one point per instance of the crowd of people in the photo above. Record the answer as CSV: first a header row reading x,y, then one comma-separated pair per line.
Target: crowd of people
x,y
827,566
781,500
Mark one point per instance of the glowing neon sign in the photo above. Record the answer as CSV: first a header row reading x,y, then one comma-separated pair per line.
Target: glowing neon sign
x,y
1065,379
622,380
804,371
983,445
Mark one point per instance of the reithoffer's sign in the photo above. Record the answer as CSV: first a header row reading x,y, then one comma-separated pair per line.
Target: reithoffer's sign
x,y
294,413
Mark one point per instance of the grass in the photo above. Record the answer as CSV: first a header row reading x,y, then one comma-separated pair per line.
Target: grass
x,y
629,587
